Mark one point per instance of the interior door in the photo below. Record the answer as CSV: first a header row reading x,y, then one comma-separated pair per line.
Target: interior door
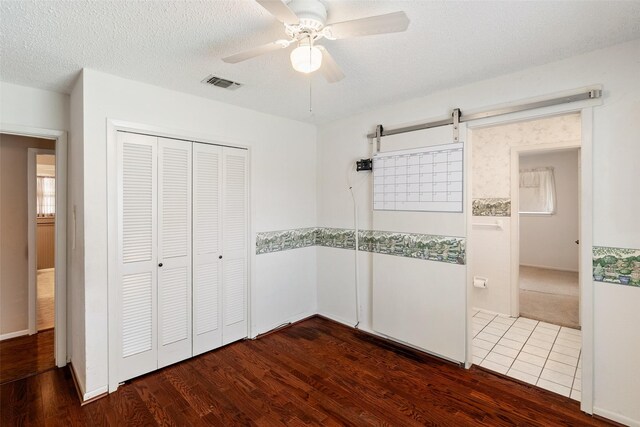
x,y
207,247
174,251
137,254
418,301
234,261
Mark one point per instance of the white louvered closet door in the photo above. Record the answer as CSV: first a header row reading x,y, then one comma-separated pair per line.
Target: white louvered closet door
x,y
234,262
137,254
174,251
207,247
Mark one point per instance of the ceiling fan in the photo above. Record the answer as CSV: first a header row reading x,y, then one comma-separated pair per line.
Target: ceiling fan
x,y
305,24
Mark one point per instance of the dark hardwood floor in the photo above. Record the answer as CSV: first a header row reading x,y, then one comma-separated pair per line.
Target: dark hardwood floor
x,y
26,355
316,372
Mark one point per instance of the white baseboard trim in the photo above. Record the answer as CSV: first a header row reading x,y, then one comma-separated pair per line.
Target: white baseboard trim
x,y
545,267
104,390
292,319
87,397
79,387
616,417
495,313
15,334
349,323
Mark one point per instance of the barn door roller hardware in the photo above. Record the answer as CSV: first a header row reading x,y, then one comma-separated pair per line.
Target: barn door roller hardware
x,y
378,135
582,96
456,124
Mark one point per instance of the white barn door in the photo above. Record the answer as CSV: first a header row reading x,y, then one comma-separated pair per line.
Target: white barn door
x,y
207,247
416,301
137,255
174,251
234,262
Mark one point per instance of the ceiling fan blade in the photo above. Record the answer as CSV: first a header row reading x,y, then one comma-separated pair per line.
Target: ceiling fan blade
x,y
330,68
389,23
256,51
280,10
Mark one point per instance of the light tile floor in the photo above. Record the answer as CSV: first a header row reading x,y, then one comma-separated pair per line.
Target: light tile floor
x,y
539,353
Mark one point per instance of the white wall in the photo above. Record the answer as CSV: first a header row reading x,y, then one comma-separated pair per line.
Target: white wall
x,y
75,233
339,145
549,240
615,176
490,257
283,196
26,106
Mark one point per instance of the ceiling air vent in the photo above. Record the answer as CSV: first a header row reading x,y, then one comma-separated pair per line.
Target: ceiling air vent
x,y
220,82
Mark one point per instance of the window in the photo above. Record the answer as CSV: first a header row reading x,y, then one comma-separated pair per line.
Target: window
x,y
46,196
537,191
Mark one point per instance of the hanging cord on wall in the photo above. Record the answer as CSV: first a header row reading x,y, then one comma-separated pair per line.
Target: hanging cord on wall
x,y
270,331
357,277
352,188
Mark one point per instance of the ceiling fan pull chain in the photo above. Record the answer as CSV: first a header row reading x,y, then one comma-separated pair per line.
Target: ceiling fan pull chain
x,y
310,77
310,95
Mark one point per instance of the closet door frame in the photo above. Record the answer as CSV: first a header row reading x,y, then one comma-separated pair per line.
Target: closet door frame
x,y
113,127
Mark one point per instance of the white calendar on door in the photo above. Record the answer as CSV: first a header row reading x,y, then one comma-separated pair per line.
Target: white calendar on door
x,y
421,179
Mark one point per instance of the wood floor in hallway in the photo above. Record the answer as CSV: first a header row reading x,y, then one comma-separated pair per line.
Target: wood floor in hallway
x,y
316,372
26,355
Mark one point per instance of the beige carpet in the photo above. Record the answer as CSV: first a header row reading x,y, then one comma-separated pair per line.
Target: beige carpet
x,y
550,296
549,281
45,305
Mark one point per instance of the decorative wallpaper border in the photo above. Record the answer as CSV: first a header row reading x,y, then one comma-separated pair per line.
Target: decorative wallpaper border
x,y
276,241
411,245
491,207
610,265
341,238
616,265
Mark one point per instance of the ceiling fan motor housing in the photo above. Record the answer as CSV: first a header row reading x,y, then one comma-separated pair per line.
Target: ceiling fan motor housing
x,y
312,15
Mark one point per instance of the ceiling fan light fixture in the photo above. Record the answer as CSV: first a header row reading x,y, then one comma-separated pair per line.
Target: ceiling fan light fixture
x,y
305,23
306,59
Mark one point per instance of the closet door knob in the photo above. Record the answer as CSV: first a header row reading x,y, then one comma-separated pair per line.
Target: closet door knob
x,y
220,257
160,265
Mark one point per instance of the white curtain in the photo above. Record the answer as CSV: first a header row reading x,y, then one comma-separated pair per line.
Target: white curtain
x,y
46,196
537,191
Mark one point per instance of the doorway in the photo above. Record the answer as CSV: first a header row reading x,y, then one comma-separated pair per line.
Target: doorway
x,y
33,327
524,318
42,188
549,211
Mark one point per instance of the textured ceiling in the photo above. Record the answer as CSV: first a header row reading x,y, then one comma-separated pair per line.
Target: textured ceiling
x,y
175,44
